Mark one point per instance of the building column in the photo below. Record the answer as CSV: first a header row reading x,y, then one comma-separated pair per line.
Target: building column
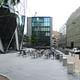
x,y
17,40
51,43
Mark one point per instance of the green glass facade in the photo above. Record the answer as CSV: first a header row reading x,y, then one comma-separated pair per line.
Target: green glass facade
x,y
41,25
39,28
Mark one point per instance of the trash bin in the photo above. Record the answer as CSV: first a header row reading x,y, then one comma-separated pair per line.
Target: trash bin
x,y
70,67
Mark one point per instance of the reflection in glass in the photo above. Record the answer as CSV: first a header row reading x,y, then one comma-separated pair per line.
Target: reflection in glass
x,y
21,31
42,27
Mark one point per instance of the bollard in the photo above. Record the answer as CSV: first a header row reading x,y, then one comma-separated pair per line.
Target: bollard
x,y
60,57
70,67
57,56
64,61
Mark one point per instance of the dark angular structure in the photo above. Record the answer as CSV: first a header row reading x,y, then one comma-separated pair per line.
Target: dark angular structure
x,y
10,30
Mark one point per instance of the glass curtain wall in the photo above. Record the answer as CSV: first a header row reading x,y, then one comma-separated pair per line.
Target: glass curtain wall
x,y
41,25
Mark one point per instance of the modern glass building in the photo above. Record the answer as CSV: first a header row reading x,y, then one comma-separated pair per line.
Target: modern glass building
x,y
41,29
11,30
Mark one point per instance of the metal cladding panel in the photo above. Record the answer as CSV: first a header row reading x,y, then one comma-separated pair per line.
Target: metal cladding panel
x,y
7,26
4,11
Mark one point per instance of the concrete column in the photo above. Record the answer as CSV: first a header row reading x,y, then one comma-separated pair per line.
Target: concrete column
x,y
70,67
29,29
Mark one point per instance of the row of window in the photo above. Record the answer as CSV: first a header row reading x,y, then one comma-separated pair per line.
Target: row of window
x,y
40,24
43,34
41,19
41,29
47,34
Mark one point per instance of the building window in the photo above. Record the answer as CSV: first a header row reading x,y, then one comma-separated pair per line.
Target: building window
x,y
47,34
46,21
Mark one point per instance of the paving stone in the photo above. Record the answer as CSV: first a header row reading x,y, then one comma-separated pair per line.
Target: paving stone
x,y
26,68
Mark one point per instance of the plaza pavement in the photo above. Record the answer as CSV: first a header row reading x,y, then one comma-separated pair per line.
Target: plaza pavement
x,y
26,68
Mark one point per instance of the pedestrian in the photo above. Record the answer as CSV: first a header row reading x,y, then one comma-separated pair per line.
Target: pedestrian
x,y
24,53
20,52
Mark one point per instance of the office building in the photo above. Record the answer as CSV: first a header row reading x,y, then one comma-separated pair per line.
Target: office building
x,y
55,38
62,40
41,29
73,30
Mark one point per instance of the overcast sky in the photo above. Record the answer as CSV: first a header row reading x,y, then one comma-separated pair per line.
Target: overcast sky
x,y
60,10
